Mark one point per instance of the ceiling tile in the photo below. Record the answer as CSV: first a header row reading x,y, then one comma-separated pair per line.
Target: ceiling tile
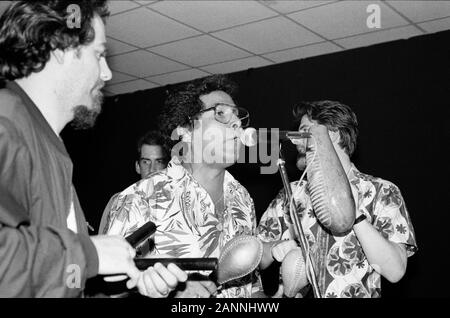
x,y
178,77
107,93
303,52
144,28
419,11
238,65
199,51
345,18
118,77
120,6
213,15
117,47
378,37
288,6
4,5
144,3
436,25
268,35
143,64
130,87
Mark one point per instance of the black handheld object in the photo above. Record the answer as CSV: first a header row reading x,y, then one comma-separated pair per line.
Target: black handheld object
x,y
141,234
187,264
147,230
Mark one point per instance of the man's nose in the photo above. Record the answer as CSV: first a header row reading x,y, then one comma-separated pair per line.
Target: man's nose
x,y
105,71
153,167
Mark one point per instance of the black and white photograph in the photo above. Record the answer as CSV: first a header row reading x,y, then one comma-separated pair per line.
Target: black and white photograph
x,y
247,152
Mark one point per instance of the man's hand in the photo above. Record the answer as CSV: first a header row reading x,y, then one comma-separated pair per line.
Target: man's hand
x,y
275,250
158,281
197,288
316,130
115,256
280,249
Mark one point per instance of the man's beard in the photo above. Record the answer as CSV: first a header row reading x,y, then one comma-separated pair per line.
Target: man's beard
x,y
84,117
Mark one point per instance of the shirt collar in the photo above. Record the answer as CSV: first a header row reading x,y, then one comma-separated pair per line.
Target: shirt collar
x,y
352,172
176,171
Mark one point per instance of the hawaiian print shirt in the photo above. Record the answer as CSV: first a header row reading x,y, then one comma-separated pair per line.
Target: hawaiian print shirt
x,y
184,213
340,265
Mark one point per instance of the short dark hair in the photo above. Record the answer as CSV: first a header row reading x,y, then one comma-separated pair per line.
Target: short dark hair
x,y
31,30
153,138
336,116
183,102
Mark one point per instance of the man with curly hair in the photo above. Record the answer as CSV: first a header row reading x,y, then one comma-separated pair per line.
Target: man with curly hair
x,y
55,72
382,237
196,203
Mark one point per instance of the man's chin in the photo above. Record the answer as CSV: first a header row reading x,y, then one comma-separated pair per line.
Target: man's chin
x,y
84,117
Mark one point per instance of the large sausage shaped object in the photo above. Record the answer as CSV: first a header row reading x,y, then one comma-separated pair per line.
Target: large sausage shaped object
x,y
328,185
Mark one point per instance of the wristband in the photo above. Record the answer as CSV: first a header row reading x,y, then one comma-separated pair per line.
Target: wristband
x,y
359,219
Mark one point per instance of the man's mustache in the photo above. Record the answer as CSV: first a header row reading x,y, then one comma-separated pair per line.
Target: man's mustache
x,y
100,85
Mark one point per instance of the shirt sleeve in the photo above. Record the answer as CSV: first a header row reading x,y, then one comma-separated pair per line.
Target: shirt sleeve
x,y
391,218
272,225
106,216
35,260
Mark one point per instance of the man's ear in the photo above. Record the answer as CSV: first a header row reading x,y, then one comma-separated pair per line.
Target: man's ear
x,y
184,133
137,167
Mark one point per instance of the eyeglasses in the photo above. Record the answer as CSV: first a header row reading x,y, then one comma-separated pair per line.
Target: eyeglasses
x,y
227,113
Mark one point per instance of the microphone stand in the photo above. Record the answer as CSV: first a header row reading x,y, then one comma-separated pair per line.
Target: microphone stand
x,y
297,225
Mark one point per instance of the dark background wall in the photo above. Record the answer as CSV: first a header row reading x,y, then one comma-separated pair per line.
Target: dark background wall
x,y
399,91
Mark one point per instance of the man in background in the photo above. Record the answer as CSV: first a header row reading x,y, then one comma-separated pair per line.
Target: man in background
x,y
152,156
349,264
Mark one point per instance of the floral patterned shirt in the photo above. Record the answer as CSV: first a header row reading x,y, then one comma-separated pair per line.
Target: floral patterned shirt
x,y
340,265
184,213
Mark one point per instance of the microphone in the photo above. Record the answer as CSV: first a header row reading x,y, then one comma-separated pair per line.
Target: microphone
x,y
249,136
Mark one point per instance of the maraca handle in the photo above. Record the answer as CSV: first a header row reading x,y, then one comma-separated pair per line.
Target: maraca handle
x,y
187,264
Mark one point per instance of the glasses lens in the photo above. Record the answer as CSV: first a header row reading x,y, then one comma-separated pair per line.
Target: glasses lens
x,y
228,113
224,113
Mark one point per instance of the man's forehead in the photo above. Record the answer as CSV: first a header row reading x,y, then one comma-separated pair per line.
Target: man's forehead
x,y
216,97
306,121
151,150
99,28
